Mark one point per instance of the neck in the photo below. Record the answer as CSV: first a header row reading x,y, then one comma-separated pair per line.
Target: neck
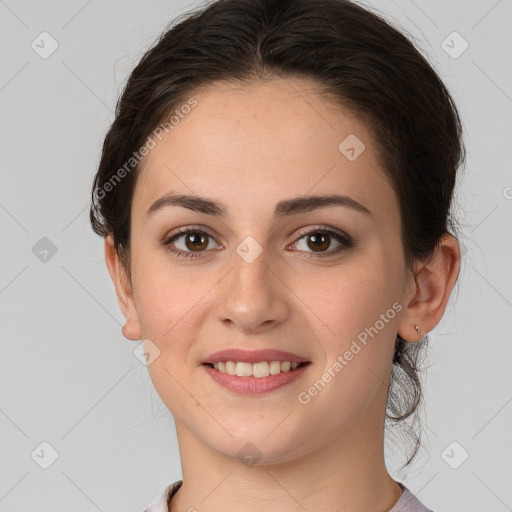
x,y
346,474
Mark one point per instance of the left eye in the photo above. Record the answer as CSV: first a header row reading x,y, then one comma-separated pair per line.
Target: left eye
x,y
319,241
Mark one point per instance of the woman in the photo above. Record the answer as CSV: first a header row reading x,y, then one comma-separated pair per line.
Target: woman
x,y
275,196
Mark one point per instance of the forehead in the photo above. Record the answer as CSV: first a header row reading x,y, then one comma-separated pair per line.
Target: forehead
x,y
254,145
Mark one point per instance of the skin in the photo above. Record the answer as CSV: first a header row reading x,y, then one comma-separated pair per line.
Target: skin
x,y
251,147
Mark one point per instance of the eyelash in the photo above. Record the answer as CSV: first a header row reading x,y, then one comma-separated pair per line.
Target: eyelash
x,y
345,240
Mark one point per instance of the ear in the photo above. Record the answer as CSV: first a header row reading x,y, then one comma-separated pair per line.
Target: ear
x,y
131,328
433,285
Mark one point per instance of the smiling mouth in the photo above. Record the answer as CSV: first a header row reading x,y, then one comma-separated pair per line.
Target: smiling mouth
x,y
260,369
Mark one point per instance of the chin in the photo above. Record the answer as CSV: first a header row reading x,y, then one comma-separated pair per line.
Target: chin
x,y
258,448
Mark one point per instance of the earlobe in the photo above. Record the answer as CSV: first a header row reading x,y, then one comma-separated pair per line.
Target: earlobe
x,y
433,285
131,328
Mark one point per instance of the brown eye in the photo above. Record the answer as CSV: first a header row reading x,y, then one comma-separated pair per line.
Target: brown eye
x,y
318,242
196,241
189,243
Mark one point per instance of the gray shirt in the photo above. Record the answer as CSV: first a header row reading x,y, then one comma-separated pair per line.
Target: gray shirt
x,y
407,502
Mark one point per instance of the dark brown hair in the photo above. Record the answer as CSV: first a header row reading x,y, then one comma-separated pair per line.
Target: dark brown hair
x,y
358,59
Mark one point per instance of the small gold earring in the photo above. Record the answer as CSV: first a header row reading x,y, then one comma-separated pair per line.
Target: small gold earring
x,y
418,329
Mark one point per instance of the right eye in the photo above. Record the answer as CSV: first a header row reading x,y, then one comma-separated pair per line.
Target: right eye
x,y
195,242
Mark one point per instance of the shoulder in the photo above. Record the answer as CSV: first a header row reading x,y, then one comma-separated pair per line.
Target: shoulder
x,y
161,502
408,502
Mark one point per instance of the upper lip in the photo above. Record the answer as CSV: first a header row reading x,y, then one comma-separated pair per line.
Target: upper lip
x,y
253,356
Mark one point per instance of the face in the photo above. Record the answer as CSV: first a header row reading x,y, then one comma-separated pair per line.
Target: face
x,y
324,281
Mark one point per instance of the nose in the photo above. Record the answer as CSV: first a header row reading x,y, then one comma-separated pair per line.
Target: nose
x,y
254,297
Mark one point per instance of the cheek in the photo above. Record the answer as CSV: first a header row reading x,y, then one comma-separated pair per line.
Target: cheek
x,y
359,310
171,312
359,307
164,292
350,298
168,308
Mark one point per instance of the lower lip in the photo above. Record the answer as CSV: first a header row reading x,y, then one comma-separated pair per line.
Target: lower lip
x,y
254,385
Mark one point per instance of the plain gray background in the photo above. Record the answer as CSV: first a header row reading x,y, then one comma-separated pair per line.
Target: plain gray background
x,y
69,378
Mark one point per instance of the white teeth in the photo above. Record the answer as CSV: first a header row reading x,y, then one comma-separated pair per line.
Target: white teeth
x,y
260,369
244,369
275,367
231,367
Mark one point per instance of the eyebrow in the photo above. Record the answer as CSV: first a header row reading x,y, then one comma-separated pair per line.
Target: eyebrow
x,y
284,208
